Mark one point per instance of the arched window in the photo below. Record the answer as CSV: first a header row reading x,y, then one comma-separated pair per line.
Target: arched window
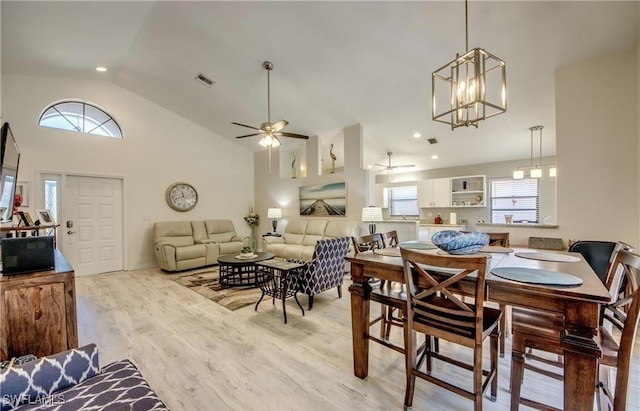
x,y
80,117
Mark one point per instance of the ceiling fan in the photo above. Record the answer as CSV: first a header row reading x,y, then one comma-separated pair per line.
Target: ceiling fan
x,y
271,131
388,168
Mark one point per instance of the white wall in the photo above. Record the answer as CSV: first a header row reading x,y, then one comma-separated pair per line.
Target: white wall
x,y
158,149
597,146
273,191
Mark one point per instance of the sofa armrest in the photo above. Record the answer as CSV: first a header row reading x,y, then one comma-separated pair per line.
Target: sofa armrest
x,y
165,255
272,240
240,238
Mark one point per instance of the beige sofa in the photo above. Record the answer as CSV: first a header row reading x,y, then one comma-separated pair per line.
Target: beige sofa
x,y
182,245
300,237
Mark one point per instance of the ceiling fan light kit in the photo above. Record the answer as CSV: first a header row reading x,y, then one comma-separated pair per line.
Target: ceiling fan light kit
x,y
473,85
271,131
388,168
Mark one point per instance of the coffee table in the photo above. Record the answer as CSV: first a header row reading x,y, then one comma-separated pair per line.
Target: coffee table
x,y
236,271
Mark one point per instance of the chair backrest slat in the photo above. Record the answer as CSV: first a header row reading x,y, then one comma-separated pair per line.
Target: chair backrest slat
x,y
390,238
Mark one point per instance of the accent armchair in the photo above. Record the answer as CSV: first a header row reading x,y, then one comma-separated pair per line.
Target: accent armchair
x,y
326,269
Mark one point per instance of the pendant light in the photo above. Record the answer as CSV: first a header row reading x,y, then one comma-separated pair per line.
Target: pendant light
x,y
473,85
535,169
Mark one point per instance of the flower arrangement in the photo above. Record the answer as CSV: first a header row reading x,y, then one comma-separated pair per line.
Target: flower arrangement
x,y
252,219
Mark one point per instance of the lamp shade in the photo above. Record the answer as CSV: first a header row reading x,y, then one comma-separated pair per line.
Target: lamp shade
x,y
371,214
536,172
274,213
518,174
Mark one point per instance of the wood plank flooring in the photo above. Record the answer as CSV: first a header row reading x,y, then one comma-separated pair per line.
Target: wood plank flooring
x,y
197,355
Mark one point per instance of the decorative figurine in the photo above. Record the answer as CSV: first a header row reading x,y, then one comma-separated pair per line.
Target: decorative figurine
x,y
333,159
293,166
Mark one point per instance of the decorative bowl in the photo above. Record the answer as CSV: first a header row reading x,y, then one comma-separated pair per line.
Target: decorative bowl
x,y
457,243
247,255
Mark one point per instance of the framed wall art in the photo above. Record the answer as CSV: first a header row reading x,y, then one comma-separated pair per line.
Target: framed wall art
x,y
324,200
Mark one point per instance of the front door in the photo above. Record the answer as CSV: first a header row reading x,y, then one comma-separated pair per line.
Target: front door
x,y
92,224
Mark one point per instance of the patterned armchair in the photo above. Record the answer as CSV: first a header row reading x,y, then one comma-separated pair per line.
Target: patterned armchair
x,y
326,269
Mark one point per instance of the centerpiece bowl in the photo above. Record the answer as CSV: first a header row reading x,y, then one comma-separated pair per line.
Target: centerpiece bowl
x,y
457,243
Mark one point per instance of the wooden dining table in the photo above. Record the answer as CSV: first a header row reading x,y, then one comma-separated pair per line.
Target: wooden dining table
x,y
580,306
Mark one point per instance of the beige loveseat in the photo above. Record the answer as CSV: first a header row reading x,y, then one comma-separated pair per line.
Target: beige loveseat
x,y
181,245
300,237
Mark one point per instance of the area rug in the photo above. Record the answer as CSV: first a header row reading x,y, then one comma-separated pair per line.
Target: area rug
x,y
207,283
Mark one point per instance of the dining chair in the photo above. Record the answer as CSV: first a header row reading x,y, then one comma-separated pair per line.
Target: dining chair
x,y
436,310
390,238
499,239
597,253
616,336
385,292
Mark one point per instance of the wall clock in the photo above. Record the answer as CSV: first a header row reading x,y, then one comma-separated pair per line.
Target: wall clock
x,y
181,196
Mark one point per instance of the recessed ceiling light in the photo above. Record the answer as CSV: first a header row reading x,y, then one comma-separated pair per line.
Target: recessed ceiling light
x,y
417,135
369,166
101,69
434,157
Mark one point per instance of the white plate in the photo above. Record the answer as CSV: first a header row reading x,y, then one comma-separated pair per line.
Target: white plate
x,y
241,257
559,258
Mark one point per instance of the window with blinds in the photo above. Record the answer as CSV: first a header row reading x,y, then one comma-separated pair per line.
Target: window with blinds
x,y
519,198
403,201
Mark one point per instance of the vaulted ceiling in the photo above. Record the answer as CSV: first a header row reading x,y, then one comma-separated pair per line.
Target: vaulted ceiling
x,y
336,63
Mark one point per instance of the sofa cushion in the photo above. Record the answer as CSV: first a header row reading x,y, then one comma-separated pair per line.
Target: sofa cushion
x,y
119,386
36,380
341,229
190,252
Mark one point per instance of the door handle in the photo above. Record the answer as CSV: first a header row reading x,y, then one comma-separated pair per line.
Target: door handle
x,y
71,232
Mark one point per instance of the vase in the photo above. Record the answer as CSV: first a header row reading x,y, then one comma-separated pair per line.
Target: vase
x,y
253,241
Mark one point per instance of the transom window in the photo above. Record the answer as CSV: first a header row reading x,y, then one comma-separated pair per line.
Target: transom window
x,y
403,201
518,198
80,117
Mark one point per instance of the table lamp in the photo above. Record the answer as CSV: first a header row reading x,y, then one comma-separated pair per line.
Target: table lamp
x,y
274,214
371,214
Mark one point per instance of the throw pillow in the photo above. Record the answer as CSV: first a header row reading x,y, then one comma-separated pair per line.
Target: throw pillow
x,y
34,381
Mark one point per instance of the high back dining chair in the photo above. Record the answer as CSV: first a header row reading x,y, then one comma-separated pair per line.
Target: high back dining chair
x,y
499,239
390,238
597,254
386,290
437,311
542,331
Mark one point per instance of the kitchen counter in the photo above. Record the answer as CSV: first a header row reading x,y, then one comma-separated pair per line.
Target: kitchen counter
x,y
530,225
442,225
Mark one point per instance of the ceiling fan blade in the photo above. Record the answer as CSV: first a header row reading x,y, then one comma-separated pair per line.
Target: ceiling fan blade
x,y
284,134
381,165
404,166
277,126
244,125
249,135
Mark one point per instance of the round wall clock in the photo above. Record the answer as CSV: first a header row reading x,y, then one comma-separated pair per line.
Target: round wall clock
x,y
181,196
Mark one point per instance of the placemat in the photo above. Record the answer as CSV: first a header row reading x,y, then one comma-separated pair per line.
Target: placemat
x,y
417,245
442,252
535,276
559,258
496,249
389,252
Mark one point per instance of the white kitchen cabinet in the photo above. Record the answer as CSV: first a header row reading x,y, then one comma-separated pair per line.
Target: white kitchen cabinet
x,y
435,192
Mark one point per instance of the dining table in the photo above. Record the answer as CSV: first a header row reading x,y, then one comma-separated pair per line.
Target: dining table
x,y
579,304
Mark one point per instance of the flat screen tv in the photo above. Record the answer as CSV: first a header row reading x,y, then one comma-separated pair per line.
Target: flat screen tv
x,y
9,161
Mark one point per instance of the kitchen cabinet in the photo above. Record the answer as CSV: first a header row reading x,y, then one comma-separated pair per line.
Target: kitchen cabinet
x,y
468,191
38,312
426,231
434,192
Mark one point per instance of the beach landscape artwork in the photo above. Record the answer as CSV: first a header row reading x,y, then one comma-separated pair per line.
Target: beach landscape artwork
x,y
324,200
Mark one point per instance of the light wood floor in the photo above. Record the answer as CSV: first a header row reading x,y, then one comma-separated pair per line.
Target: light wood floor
x,y
197,355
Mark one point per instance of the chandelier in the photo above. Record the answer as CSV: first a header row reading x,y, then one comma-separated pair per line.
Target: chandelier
x,y
535,169
473,85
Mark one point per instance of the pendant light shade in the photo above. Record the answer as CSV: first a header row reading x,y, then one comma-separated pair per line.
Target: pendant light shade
x,y
535,169
518,174
470,88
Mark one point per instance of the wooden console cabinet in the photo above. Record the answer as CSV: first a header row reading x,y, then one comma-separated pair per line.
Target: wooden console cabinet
x,y
38,312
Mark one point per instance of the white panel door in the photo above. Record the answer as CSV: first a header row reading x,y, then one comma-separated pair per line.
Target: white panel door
x,y
92,225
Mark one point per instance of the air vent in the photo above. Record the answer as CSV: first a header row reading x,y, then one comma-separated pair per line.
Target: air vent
x,y
202,79
432,141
